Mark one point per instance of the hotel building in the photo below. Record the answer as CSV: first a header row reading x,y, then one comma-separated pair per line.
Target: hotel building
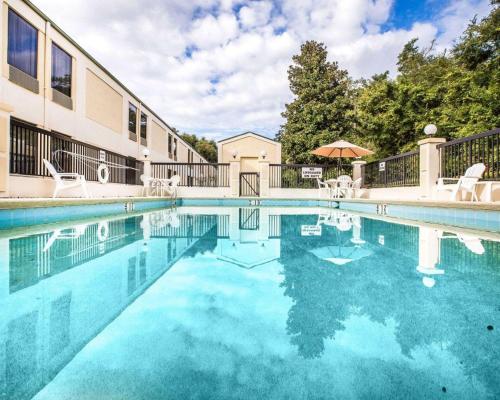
x,y
56,96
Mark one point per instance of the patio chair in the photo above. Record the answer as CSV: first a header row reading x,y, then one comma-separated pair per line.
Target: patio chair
x,y
66,180
323,185
466,183
147,185
344,184
355,186
170,185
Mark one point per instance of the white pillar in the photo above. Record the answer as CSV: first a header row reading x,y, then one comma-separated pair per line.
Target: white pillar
x,y
357,170
234,178
429,165
264,178
147,174
5,111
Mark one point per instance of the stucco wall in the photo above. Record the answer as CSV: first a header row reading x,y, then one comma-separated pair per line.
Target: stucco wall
x,y
104,105
100,102
249,146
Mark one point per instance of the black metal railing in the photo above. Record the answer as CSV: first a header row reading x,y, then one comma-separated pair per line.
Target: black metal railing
x,y
193,174
290,176
458,155
400,170
30,145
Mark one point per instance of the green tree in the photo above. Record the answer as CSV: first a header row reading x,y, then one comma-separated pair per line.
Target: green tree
x,y
207,148
321,111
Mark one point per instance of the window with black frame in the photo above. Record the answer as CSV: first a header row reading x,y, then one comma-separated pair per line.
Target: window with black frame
x,y
144,129
22,47
175,149
132,121
170,145
61,70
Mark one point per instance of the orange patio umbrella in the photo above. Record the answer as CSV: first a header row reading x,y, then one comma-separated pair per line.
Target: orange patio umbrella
x,y
341,149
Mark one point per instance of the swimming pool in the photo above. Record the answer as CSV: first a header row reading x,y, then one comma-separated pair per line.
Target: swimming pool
x,y
248,302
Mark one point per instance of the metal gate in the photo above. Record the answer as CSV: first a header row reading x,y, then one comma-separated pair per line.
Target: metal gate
x,y
249,184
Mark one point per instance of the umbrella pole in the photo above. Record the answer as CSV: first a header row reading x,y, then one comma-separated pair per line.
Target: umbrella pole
x,y
338,163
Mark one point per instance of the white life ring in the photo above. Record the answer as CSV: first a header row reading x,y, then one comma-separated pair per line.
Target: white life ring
x,y
103,173
102,231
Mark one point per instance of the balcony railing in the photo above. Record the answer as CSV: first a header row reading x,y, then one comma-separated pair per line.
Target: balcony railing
x,y
290,176
400,170
193,174
458,155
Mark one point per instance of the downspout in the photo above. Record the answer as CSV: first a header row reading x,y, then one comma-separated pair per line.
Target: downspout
x,y
45,63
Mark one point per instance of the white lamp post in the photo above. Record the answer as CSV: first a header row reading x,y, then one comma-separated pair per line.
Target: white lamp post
x,y
430,129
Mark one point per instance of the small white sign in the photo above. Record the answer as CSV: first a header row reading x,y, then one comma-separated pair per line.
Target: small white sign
x,y
102,155
381,166
381,239
310,230
312,172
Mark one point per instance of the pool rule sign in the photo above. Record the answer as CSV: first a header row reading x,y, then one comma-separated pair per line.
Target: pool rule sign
x,y
312,172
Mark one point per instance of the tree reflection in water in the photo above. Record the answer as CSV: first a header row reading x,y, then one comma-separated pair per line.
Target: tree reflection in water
x,y
385,286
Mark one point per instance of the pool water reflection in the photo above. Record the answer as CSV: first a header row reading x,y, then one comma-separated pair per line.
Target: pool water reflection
x,y
249,303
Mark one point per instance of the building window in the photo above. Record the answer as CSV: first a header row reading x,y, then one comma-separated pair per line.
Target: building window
x,y
22,52
61,70
175,149
144,128
169,145
132,118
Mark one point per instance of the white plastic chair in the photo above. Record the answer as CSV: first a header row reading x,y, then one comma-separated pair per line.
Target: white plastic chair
x,y
71,180
355,186
344,184
148,187
170,185
323,185
466,183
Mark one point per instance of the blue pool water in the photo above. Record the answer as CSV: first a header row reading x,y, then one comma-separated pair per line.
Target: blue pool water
x,y
248,303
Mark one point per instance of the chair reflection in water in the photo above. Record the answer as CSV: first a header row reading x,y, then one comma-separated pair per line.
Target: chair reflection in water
x,y
65,234
430,251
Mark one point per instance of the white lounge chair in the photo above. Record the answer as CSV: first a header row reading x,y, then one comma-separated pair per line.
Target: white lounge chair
x,y
70,180
466,183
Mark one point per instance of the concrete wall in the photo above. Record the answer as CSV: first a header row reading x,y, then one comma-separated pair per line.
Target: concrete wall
x,y
99,102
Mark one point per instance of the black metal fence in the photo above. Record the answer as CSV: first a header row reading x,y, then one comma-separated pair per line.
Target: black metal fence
x,y
458,155
291,176
193,174
400,170
30,145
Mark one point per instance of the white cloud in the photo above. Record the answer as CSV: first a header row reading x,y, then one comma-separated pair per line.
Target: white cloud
x,y
219,67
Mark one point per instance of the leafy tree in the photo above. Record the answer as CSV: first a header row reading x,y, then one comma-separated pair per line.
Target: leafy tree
x,y
322,109
458,91
207,148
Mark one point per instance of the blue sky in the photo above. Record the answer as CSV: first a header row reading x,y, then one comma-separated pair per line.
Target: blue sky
x,y
218,67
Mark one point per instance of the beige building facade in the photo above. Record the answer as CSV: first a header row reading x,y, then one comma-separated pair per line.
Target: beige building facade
x,y
60,88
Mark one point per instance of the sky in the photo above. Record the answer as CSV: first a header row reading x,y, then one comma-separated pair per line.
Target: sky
x,y
219,67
